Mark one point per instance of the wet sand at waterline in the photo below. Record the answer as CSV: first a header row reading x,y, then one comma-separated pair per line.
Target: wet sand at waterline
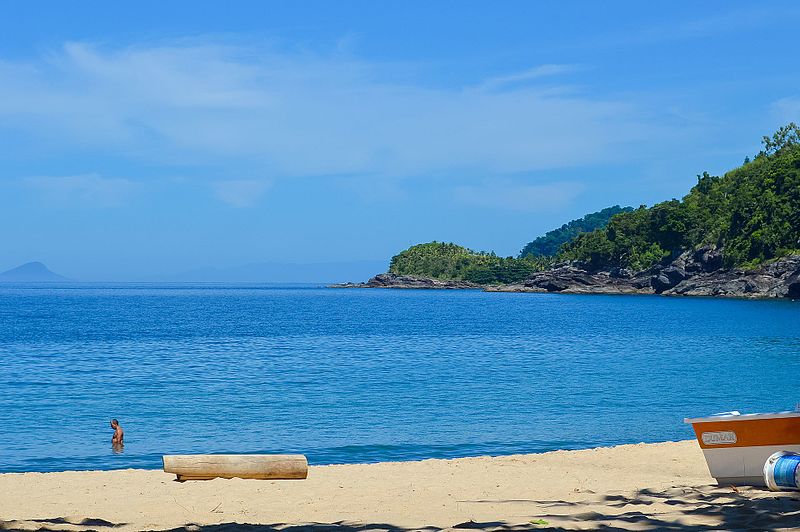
x,y
636,487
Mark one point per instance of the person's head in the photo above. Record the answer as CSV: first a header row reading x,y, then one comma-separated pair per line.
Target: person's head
x,y
114,423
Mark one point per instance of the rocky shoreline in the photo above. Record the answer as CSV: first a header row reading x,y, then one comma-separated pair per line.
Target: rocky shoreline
x,y
698,273
391,280
693,273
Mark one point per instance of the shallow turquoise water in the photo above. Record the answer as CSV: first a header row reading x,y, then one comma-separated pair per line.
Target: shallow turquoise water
x,y
370,375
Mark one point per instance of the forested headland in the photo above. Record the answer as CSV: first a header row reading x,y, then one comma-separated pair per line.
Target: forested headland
x,y
751,214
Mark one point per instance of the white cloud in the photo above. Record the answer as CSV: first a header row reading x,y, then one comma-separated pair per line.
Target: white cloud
x,y
525,197
526,75
787,109
90,189
299,114
241,193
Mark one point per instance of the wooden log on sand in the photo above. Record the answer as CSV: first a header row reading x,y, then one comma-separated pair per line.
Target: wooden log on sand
x,y
260,466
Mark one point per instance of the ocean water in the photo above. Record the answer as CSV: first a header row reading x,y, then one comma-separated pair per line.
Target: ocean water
x,y
370,375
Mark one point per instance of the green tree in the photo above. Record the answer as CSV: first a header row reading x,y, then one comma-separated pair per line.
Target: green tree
x,y
439,260
551,242
788,135
752,213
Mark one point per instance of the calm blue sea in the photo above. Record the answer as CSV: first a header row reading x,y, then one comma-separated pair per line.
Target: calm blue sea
x,y
370,375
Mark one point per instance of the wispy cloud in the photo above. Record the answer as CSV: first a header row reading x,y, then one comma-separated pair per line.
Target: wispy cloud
x,y
86,190
241,193
288,115
526,75
525,197
787,109
725,21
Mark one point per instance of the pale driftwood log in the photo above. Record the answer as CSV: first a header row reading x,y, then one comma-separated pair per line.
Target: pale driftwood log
x,y
260,466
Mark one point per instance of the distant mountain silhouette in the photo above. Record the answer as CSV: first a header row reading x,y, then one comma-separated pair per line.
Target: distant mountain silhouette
x,y
31,272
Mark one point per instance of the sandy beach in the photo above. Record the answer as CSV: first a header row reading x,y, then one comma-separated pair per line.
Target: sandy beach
x,y
630,487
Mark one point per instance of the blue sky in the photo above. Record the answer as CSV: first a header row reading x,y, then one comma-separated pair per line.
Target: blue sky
x,y
143,140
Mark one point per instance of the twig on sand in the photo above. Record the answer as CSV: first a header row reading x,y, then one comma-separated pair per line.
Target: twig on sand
x,y
182,506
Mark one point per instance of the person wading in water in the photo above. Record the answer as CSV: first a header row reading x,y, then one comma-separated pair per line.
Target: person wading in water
x,y
119,434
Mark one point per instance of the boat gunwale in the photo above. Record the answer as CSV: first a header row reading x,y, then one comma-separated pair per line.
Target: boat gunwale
x,y
741,417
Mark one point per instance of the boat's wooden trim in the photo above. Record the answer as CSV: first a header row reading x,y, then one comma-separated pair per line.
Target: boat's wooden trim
x,y
749,432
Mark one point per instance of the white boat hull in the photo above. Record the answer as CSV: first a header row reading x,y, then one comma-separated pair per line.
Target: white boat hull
x,y
737,446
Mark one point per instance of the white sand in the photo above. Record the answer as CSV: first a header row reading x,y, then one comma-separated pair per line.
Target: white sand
x,y
638,487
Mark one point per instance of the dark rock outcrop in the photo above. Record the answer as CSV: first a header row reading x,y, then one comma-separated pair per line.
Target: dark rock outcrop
x,y
391,280
575,280
793,287
668,278
693,273
780,278
706,259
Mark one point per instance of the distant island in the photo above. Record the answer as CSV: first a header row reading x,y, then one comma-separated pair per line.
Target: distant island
x,y
736,235
31,272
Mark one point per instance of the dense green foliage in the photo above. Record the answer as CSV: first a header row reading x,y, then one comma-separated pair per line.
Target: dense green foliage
x,y
752,213
439,260
549,244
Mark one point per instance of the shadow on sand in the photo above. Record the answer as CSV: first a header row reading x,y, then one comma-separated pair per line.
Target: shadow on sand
x,y
676,509
64,523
